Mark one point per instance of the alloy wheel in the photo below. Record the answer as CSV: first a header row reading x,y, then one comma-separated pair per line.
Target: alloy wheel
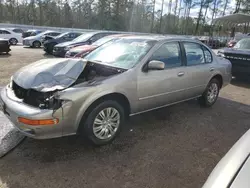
x,y
106,123
212,93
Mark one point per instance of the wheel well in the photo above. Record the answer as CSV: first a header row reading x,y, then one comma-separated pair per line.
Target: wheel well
x,y
13,38
219,78
36,41
120,98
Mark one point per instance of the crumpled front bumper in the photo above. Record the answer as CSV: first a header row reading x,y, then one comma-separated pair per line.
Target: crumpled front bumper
x,y
13,108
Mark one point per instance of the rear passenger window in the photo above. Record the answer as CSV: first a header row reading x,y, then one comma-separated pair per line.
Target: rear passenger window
x,y
208,55
194,53
169,53
5,32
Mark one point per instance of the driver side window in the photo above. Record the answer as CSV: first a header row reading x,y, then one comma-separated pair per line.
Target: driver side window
x,y
169,53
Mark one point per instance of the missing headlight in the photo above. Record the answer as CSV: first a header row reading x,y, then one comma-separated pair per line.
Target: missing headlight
x,y
51,103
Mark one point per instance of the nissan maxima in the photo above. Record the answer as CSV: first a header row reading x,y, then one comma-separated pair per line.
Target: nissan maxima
x,y
94,96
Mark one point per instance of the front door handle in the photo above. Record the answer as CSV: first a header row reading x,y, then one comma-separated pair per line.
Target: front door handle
x,y
211,69
180,73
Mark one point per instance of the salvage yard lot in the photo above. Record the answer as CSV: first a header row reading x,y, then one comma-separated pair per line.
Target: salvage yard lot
x,y
175,147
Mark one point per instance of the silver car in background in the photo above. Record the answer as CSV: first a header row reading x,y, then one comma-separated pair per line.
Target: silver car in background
x,y
234,168
135,74
35,41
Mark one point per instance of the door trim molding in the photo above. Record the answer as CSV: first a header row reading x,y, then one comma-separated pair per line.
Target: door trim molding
x,y
166,93
164,106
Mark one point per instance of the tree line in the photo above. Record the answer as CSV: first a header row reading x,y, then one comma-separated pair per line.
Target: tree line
x,y
154,16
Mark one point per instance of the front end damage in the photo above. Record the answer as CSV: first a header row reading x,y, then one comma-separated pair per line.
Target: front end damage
x,y
33,100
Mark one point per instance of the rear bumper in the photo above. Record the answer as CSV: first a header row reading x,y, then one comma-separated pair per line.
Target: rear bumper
x,y
13,108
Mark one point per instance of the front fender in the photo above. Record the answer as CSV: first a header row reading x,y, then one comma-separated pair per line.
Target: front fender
x,y
90,100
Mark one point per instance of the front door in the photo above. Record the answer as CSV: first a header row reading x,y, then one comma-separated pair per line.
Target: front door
x,y
157,88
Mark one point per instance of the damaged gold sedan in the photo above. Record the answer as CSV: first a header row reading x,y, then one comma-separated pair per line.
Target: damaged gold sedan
x,y
93,96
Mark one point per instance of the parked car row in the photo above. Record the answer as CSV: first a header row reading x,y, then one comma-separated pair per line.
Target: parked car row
x,y
85,39
49,41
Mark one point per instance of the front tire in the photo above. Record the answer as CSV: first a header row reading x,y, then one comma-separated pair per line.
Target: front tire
x,y
36,44
103,123
210,95
13,41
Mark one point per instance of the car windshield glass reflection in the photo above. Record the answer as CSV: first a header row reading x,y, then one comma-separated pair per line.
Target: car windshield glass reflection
x,y
43,33
102,41
61,35
243,44
83,37
124,53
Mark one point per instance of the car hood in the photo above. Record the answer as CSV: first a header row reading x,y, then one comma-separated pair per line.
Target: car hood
x,y
69,43
235,51
49,74
83,48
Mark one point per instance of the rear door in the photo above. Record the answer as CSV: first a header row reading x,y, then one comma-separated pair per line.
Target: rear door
x,y
199,68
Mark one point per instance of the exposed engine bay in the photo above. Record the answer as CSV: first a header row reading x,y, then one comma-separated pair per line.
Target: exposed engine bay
x,y
44,97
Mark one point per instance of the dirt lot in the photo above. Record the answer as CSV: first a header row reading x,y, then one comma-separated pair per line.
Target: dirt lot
x,y
174,147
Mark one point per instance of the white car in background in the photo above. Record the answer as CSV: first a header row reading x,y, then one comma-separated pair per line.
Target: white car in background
x,y
13,37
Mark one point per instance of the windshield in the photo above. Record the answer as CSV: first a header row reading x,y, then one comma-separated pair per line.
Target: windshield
x,y
102,41
123,53
43,33
243,44
83,37
61,35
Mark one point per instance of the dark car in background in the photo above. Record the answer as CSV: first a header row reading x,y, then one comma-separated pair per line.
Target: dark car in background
x,y
50,36
49,44
81,51
31,32
4,45
239,56
86,38
212,42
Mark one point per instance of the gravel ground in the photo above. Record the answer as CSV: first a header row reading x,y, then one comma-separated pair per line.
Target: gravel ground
x,y
175,147
17,58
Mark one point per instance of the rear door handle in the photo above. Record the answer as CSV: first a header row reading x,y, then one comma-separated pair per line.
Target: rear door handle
x,y
211,69
180,74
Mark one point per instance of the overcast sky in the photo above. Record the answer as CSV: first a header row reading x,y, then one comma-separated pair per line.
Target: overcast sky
x,y
194,11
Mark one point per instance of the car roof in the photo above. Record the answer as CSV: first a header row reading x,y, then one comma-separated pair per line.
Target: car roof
x,y
158,37
7,29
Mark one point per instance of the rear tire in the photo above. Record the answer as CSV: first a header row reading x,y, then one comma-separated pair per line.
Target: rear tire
x,y
100,127
36,44
210,95
13,41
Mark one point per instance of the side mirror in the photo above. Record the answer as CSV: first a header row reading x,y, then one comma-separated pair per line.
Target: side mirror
x,y
156,65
